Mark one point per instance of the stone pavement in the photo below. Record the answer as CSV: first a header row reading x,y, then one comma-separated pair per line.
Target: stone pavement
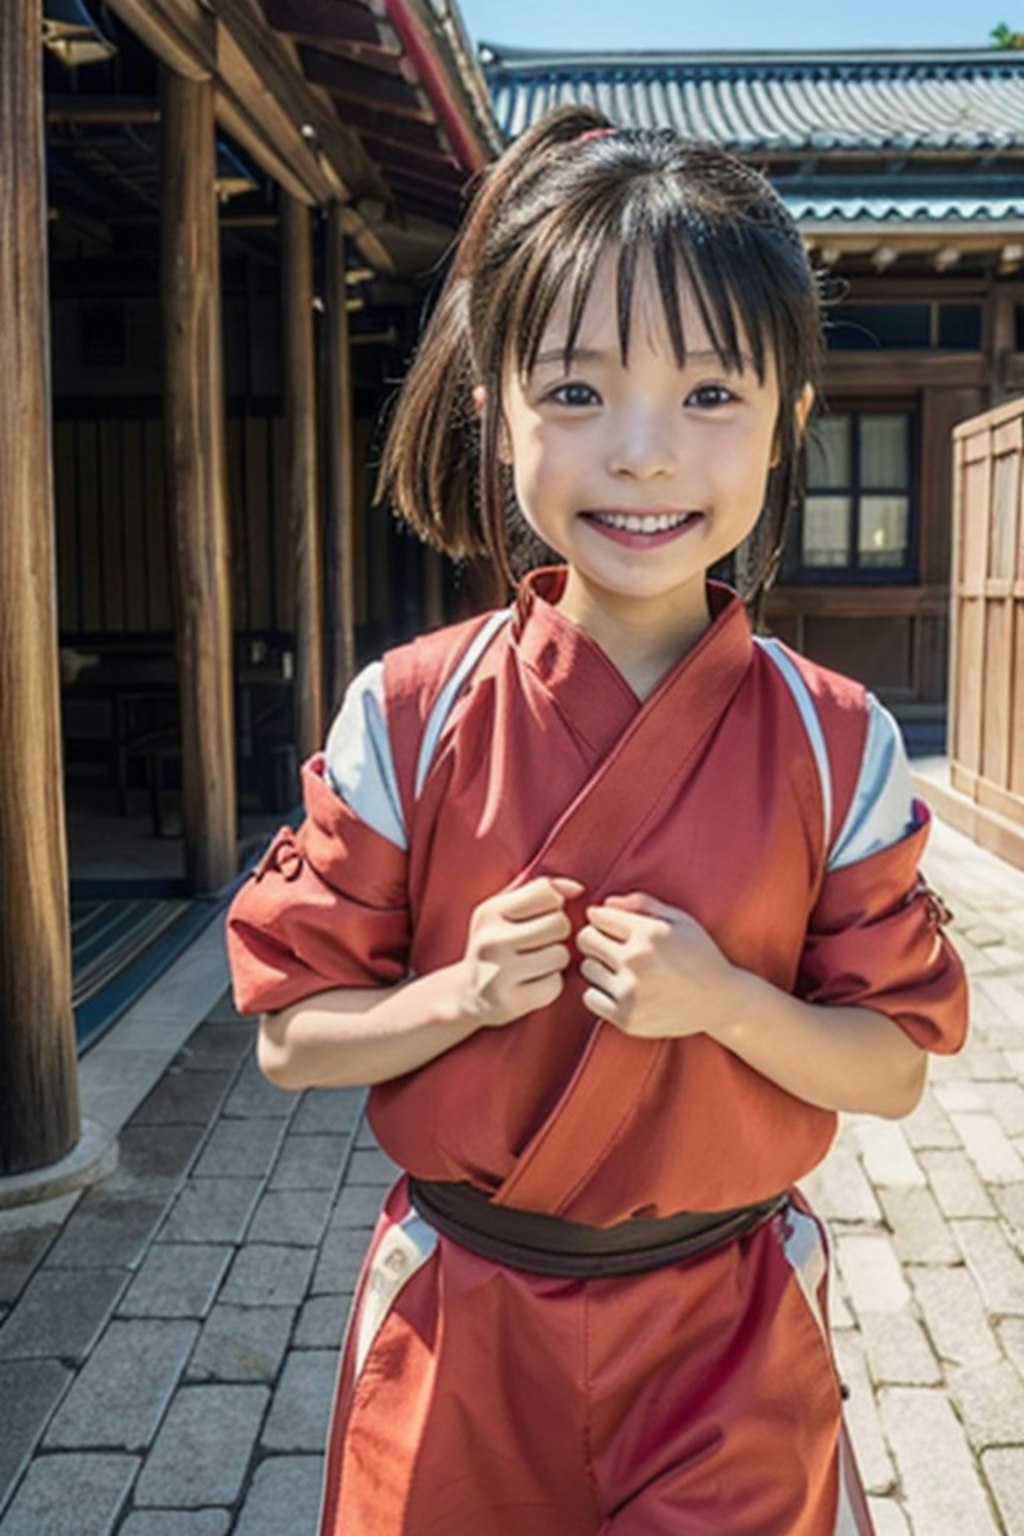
x,y
168,1339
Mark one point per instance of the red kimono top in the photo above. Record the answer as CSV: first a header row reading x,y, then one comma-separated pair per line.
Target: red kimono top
x,y
763,794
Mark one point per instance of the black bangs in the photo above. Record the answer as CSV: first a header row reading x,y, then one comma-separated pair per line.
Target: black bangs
x,y
732,279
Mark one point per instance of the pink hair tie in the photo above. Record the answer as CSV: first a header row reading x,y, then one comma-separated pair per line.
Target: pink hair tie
x,y
595,133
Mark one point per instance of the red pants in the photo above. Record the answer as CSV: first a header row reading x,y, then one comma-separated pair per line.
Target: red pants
x,y
695,1400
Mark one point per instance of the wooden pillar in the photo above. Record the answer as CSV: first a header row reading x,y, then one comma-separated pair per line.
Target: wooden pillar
x,y
341,474
39,1111
303,498
197,480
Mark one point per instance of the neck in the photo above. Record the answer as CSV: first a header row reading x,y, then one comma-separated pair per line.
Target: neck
x,y
643,639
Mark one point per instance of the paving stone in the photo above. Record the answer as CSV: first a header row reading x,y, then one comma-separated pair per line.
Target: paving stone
x,y
70,1495
369,1165
956,1185
341,1258
990,1402
242,1344
989,1148
301,1408
359,1206
871,1272
107,1231
21,1252
1009,1200
861,1414
888,1518
285,1496
255,1097
166,1522
61,1314
120,1395
1006,1102
153,1159
322,1322
920,1234
839,1188
183,1098
203,1449
176,1280
216,1045
291,1216
941,1486
310,1162
958,1095
29,1392
225,1012
1004,1470
262,1275
889,1161
239,1149
364,1134
211,1211
1010,1333
329,1111
953,1315
996,1266
991,1068
928,1126
898,1351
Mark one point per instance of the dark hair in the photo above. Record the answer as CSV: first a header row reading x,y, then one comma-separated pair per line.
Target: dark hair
x,y
541,219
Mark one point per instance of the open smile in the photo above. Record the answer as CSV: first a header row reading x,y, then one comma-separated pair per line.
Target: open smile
x,y
642,530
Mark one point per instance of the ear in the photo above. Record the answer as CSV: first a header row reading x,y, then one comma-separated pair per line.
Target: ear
x,y
804,407
479,399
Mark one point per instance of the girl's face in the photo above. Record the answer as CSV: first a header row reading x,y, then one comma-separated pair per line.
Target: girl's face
x,y
640,476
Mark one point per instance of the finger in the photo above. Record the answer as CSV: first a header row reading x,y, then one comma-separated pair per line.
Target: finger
x,y
541,962
612,922
601,976
640,902
534,899
600,1004
537,932
591,941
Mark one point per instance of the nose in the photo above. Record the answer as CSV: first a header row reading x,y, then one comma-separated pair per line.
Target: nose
x,y
643,446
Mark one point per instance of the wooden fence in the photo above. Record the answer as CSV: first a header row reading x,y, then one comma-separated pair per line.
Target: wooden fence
x,y
987,661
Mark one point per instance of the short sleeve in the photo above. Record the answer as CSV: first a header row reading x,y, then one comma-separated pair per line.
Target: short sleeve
x,y
876,936
326,906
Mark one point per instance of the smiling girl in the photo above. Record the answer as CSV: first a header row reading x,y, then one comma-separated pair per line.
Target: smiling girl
x,y
614,903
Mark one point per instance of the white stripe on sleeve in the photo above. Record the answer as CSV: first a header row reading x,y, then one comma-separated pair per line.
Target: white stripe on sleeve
x,y
360,765
881,811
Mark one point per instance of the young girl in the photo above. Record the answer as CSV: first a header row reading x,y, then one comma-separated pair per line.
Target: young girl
x,y
614,904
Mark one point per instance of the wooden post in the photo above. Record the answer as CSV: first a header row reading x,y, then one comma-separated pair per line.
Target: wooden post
x,y
197,480
39,1110
341,476
303,500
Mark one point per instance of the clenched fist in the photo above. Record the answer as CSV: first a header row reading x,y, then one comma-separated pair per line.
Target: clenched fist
x,y
516,954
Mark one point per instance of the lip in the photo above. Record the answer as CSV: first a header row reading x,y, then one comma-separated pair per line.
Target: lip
x,y
638,540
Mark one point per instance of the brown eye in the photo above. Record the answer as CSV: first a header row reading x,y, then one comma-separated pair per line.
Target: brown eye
x,y
574,394
708,396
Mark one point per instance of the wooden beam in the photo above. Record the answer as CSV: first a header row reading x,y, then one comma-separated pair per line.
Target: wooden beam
x,y
181,33
324,20
303,497
341,472
197,480
39,1110
370,87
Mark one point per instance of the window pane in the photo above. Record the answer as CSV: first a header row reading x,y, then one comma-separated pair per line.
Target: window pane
x,y
883,531
960,326
826,536
854,327
828,453
884,452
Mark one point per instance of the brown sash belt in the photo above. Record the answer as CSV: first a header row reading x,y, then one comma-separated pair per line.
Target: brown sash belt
x,y
547,1245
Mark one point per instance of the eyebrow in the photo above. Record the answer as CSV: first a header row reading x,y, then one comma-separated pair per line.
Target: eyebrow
x,y
592,355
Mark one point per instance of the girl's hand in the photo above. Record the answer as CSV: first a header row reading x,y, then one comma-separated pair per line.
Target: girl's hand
x,y
516,954
653,970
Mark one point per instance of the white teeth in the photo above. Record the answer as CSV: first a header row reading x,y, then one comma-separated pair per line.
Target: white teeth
x,y
646,524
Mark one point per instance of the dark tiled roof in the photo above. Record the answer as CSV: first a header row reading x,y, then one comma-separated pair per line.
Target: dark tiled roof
x,y
940,101
899,198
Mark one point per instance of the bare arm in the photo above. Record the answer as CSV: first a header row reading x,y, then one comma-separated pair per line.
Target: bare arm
x,y
655,972
514,963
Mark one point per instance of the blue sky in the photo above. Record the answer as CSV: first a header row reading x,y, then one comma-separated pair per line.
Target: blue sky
x,y
632,24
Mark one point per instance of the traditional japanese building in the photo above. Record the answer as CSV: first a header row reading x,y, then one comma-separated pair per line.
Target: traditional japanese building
x,y
217,225
905,172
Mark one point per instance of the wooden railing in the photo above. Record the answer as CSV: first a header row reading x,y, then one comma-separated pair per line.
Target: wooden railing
x,y
987,659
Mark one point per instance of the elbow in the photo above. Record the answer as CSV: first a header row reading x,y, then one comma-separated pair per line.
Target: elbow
x,y
273,1056
907,1090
